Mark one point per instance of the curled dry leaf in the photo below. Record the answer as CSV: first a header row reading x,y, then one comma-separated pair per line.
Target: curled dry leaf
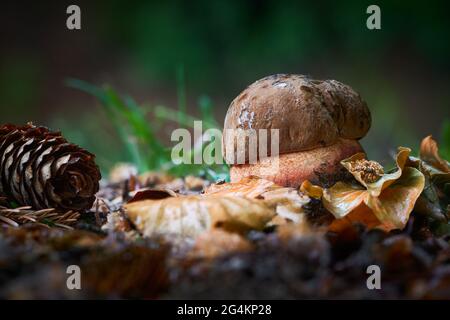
x,y
381,200
436,195
432,165
189,216
429,153
287,202
371,175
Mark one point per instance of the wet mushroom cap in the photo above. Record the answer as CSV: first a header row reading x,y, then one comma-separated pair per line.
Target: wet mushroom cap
x,y
309,114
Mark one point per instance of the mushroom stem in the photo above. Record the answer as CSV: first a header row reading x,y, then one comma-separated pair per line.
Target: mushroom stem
x,y
320,166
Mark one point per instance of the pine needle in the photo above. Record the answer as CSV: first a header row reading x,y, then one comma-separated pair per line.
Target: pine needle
x,y
47,217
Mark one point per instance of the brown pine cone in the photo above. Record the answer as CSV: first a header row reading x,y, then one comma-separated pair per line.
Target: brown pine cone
x,y
39,168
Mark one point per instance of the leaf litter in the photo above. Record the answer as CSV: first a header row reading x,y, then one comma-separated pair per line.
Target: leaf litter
x,y
157,236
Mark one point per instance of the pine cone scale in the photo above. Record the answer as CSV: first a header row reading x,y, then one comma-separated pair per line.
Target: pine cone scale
x,y
31,183
6,147
17,167
36,182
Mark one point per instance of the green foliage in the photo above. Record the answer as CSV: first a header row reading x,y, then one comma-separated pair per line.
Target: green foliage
x,y
445,143
230,38
144,148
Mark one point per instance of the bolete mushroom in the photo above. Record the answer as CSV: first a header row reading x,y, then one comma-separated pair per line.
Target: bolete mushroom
x,y
319,122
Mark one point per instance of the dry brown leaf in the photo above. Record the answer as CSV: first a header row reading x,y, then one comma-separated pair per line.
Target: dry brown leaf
x,y
382,200
429,152
431,164
287,202
234,207
190,216
436,194
152,194
215,243
288,231
384,180
251,187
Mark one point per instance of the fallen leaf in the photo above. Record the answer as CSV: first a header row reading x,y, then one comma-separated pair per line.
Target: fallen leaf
x,y
190,216
382,200
385,179
361,214
215,243
287,202
251,187
429,152
311,190
395,203
436,194
152,194
288,231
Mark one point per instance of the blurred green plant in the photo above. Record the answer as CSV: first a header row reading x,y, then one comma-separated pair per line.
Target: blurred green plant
x,y
445,143
144,149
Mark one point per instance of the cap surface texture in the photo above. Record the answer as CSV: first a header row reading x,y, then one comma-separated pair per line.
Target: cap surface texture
x,y
308,113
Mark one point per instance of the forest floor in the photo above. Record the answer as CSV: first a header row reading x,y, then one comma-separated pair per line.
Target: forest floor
x,y
280,263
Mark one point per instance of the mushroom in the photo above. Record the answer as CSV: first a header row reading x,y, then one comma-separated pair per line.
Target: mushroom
x,y
319,122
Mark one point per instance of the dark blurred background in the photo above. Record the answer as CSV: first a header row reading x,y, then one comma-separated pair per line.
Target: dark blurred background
x,y
137,47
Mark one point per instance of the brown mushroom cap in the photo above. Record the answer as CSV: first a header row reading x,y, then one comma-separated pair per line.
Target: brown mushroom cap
x,y
309,113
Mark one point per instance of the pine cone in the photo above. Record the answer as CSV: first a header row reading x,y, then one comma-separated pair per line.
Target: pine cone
x,y
39,168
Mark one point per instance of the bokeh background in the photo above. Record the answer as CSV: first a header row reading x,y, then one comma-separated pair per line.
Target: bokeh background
x,y
142,47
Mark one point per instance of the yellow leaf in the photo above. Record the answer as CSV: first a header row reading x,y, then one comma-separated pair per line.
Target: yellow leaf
x,y
385,203
343,198
311,190
389,211
395,204
385,180
361,214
